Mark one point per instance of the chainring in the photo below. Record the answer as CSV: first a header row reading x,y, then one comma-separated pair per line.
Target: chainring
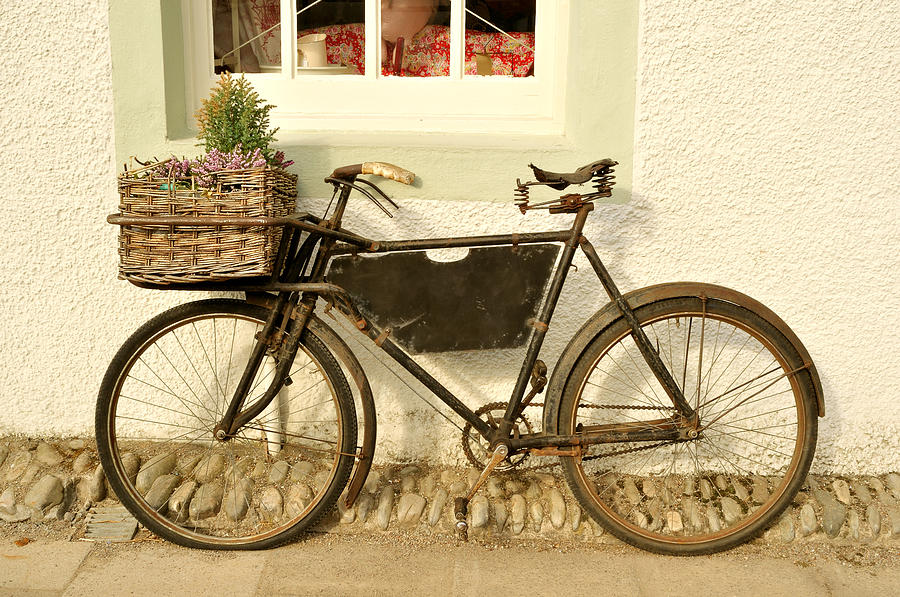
x,y
476,448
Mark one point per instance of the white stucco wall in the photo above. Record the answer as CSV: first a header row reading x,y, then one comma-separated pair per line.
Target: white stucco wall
x,y
767,158
766,152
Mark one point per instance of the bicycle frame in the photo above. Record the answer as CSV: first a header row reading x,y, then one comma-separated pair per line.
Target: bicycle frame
x,y
298,293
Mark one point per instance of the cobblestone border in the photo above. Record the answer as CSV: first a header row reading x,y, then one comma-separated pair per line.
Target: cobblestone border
x,y
62,480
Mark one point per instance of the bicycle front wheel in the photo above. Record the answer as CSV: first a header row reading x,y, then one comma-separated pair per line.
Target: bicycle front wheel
x,y
757,428
165,391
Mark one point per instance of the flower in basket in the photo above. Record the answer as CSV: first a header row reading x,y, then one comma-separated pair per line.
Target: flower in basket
x,y
234,130
240,176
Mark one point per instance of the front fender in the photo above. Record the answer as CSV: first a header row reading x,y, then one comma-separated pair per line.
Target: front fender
x,y
609,314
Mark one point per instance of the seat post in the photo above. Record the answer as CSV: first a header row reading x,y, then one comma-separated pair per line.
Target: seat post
x,y
541,323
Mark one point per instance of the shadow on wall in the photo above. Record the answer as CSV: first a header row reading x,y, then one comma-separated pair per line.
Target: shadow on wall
x,y
479,377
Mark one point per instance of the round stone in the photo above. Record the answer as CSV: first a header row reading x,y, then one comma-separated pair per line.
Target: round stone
x,y
407,483
494,489
631,491
853,525
786,527
673,522
154,468
841,490
207,501
833,517
236,502
82,463
873,517
209,468
534,492
715,525
161,491
478,512
557,508
181,499
501,515
364,504
427,485
862,491
45,493
347,515
279,472
47,455
536,515
437,505
409,509
731,510
518,508
8,502
808,522
385,505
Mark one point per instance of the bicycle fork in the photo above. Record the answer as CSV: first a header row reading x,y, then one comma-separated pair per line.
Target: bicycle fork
x,y
273,337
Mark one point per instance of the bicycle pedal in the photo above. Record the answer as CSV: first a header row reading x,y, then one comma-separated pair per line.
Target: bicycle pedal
x,y
460,512
462,531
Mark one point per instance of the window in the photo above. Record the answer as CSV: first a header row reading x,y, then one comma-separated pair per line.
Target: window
x,y
382,65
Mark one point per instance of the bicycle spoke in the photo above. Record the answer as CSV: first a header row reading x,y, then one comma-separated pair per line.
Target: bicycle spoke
x,y
691,492
199,403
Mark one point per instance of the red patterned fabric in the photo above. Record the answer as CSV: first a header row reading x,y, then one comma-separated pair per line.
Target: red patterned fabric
x,y
428,53
345,44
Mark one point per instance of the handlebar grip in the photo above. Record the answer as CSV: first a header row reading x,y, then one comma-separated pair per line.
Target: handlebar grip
x,y
391,171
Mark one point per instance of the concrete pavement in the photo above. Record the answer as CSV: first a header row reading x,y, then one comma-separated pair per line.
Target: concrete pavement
x,y
401,565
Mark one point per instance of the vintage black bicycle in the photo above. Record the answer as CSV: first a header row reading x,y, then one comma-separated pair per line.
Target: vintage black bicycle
x,y
684,415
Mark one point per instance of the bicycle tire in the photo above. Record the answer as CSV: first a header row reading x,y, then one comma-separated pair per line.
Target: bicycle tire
x,y
753,453
193,490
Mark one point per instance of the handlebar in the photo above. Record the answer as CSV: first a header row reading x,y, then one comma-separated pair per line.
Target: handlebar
x,y
382,169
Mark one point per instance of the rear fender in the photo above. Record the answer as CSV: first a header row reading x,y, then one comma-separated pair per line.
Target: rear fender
x,y
609,314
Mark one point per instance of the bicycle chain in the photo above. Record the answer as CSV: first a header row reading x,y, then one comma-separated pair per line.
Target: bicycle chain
x,y
616,406
556,462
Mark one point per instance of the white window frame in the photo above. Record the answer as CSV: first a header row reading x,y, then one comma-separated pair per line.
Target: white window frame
x,y
374,103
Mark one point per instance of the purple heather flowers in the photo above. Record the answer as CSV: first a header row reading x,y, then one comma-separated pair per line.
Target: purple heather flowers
x,y
204,167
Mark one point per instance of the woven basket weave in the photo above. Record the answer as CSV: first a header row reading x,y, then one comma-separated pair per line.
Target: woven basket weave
x,y
183,254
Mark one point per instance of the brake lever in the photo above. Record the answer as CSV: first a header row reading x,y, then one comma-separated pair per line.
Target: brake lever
x,y
380,192
371,197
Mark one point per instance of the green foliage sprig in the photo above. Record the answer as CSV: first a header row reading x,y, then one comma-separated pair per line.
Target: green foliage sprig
x,y
235,116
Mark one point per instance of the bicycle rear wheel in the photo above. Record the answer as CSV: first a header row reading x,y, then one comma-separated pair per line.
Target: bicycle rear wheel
x,y
757,428
166,389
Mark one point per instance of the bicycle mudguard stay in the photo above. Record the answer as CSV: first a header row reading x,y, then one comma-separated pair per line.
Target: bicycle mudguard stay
x,y
345,357
636,299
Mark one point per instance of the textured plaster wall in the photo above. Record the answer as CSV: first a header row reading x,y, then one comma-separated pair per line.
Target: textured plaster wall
x,y
767,158
63,313
766,152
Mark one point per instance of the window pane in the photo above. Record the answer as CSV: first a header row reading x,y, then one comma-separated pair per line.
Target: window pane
x,y
415,38
342,23
500,37
247,35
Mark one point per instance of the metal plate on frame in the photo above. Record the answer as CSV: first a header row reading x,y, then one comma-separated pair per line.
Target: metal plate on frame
x,y
479,302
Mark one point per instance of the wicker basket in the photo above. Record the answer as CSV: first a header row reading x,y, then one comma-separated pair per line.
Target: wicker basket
x,y
157,254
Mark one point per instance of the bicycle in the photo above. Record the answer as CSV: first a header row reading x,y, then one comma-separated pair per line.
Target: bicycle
x,y
684,415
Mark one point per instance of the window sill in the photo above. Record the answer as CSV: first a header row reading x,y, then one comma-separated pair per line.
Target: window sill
x,y
408,139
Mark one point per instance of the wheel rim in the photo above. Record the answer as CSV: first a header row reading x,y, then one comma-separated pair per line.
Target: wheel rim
x,y
271,477
752,421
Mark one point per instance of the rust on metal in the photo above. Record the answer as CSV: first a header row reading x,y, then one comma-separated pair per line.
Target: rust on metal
x,y
379,341
575,451
538,325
